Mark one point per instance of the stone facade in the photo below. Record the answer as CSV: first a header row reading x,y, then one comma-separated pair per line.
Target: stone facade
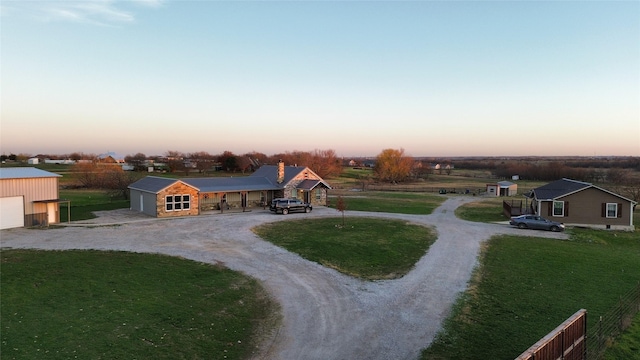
x,y
178,189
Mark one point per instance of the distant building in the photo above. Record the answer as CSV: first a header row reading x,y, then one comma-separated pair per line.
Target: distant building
x,y
502,188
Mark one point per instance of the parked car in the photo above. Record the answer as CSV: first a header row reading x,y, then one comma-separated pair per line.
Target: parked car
x,y
285,206
535,222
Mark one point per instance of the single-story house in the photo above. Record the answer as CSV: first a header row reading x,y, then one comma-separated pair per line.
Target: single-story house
x,y
165,197
502,188
578,203
28,197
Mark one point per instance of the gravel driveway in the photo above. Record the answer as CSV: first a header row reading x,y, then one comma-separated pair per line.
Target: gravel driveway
x,y
325,315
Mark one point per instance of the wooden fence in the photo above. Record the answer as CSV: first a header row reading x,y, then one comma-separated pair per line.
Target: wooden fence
x,y
512,208
566,342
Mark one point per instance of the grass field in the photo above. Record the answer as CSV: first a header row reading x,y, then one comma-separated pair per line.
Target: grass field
x,y
114,305
85,202
525,287
366,248
391,202
627,346
486,210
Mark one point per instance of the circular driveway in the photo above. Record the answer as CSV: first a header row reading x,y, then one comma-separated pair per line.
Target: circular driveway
x,y
325,315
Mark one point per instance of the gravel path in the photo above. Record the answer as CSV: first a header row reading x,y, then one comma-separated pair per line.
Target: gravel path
x,y
325,315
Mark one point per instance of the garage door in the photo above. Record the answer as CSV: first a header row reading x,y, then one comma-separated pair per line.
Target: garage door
x,y
11,212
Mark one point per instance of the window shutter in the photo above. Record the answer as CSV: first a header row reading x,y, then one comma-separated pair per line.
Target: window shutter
x,y
619,210
566,208
550,208
604,210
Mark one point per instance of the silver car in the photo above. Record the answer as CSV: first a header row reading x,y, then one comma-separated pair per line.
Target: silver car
x,y
535,222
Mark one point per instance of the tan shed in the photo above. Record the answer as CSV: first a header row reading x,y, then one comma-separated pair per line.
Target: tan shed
x,y
28,197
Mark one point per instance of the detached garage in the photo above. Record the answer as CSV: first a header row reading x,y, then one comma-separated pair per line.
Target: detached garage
x,y
28,197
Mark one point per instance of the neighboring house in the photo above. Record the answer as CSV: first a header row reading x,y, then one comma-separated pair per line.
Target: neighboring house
x,y
502,188
579,203
111,158
28,197
164,197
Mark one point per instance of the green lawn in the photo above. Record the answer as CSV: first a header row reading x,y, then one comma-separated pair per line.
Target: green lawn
x,y
392,202
525,287
115,305
487,210
85,202
627,346
364,247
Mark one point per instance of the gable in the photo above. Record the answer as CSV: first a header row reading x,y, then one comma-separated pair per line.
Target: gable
x,y
312,184
291,173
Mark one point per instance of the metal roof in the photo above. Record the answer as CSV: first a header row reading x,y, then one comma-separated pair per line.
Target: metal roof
x,y
25,173
265,178
505,183
222,184
152,184
270,172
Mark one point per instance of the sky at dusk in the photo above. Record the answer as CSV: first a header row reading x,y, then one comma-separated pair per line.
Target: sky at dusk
x,y
480,78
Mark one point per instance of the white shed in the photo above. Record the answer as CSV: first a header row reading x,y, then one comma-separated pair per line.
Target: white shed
x,y
502,188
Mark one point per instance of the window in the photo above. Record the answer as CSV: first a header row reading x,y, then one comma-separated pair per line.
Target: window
x,y
318,194
558,208
177,202
612,210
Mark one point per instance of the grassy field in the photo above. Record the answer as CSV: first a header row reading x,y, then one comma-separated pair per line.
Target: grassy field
x,y
85,202
525,287
113,305
627,346
366,248
391,202
485,210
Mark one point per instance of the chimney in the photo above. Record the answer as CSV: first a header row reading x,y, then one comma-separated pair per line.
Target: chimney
x,y
280,179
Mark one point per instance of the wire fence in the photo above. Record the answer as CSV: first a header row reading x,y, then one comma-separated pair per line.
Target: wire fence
x,y
612,324
568,340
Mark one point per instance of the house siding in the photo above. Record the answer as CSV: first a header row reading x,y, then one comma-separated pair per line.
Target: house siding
x,y
585,209
178,188
144,202
33,189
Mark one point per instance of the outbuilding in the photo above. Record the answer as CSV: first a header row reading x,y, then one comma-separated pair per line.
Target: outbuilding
x,y
28,197
502,188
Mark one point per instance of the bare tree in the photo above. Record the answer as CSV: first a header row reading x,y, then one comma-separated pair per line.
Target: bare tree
x,y
138,161
203,161
175,160
228,160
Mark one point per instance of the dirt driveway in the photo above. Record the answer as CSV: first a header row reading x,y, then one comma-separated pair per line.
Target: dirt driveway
x,y
325,315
